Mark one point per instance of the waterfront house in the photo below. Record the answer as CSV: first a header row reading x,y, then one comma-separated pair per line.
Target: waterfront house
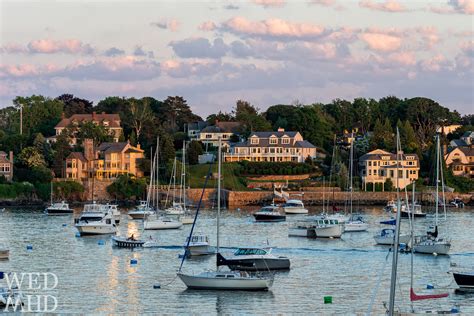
x,y
276,146
379,165
111,123
6,165
107,161
210,135
461,161
193,129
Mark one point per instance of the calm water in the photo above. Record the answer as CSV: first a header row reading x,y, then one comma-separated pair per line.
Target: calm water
x,y
96,278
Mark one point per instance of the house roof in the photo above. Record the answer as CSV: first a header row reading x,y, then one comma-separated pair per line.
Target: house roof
x,y
467,151
2,153
113,119
277,134
117,147
222,127
379,153
304,144
77,155
197,126
265,142
468,134
457,143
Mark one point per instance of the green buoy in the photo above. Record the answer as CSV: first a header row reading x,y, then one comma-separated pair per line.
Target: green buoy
x,y
328,300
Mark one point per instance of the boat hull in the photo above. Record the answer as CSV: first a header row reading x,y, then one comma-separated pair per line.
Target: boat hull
x,y
96,229
269,218
186,220
125,243
53,212
295,210
388,240
258,264
200,250
356,227
432,247
464,280
157,225
302,232
335,231
139,215
209,281
405,214
4,254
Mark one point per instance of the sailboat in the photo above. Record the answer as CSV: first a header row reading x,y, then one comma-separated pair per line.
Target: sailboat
x,y
177,204
355,222
144,209
61,208
186,217
221,280
431,243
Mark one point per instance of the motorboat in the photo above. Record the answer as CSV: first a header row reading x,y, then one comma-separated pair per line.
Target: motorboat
x,y
387,237
464,278
10,296
294,207
417,212
320,227
199,245
391,207
60,208
4,252
457,202
390,221
254,259
161,222
95,220
225,280
269,213
141,211
113,208
340,217
127,242
302,229
186,219
356,224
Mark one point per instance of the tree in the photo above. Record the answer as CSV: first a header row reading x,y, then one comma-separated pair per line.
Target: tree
x,y
175,112
221,117
31,157
127,187
382,137
74,105
61,150
194,150
89,130
167,151
250,118
139,114
388,185
407,137
43,147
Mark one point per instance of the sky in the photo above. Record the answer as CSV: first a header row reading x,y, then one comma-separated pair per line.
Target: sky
x,y
214,53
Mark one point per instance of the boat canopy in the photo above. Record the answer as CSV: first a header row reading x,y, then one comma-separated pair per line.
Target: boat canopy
x,y
294,203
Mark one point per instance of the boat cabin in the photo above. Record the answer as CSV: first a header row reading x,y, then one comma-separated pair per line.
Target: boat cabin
x,y
293,203
250,252
198,238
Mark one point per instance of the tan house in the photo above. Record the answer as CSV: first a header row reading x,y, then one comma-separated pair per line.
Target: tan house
x,y
379,165
111,122
107,161
6,165
210,135
461,161
276,146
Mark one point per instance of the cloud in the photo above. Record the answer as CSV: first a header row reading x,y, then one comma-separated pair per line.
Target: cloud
x,y
381,42
328,3
199,48
270,3
113,51
387,6
207,26
138,51
272,28
167,24
231,7
455,6
468,48
49,46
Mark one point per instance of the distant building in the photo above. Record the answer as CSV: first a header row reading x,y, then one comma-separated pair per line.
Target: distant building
x,y
447,129
276,146
6,165
210,135
111,122
467,139
107,161
379,165
195,128
461,161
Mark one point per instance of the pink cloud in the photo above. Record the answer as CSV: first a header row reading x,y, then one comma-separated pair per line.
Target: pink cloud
x,y
328,3
455,6
167,24
381,42
434,63
13,48
269,3
48,46
273,28
403,58
387,6
207,26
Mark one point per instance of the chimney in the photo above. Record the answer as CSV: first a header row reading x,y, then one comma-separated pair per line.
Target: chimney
x,y
11,156
63,116
88,145
216,122
280,129
138,146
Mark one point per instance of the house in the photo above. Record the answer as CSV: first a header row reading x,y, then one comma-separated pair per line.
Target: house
x,y
210,135
6,165
467,139
107,161
448,129
379,165
195,128
276,146
461,161
111,122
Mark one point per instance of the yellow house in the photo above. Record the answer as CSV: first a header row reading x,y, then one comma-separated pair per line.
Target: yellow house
x,y
379,165
461,161
107,161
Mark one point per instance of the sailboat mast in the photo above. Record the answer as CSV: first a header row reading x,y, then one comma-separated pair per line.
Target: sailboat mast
x,y
219,162
324,189
152,171
351,171
437,179
174,179
440,159
412,236
184,175
393,278
51,195
157,166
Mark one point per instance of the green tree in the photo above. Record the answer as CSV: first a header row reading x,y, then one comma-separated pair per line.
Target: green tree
x,y
194,150
138,115
31,157
127,187
175,112
61,150
89,130
74,105
250,118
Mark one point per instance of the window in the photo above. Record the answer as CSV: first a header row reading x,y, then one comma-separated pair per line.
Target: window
x,y
370,163
224,136
370,172
208,136
391,174
254,141
273,140
285,140
106,123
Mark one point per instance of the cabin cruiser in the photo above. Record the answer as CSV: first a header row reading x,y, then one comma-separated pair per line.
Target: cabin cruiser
x,y
61,208
340,217
391,206
320,227
417,212
294,207
254,259
161,222
96,220
269,213
141,211
199,245
113,208
226,280
4,252
387,237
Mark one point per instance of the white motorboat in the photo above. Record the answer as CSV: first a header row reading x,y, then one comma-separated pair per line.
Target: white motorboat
x,y
387,237
186,219
269,213
294,207
61,208
228,280
340,217
95,220
391,207
198,245
219,280
415,208
142,211
113,208
4,252
356,224
320,227
161,222
254,259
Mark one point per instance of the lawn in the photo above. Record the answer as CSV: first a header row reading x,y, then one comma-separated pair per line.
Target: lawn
x,y
197,176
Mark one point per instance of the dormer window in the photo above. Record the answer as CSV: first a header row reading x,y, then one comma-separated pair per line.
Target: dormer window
x,y
285,140
273,140
254,141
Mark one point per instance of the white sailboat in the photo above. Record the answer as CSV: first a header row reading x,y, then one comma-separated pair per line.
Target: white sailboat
x,y
222,280
176,207
432,243
355,223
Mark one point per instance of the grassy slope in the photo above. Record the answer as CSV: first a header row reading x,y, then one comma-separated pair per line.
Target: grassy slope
x,y
197,176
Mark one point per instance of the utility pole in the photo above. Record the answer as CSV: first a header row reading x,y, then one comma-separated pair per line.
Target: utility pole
x,y
21,119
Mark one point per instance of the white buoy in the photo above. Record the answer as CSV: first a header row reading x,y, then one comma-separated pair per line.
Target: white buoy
x,y
435,254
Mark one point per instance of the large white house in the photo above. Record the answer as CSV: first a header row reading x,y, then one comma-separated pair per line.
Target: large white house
x,y
276,146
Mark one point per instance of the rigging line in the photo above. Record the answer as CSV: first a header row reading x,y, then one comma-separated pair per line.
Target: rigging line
x,y
196,215
379,280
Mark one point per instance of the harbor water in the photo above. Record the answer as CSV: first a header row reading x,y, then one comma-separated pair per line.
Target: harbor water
x,y
94,277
